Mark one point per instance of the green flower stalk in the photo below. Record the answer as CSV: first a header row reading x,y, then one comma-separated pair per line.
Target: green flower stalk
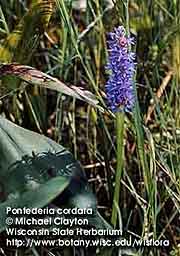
x,y
120,94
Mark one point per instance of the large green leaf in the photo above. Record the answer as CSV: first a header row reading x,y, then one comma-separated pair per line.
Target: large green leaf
x,y
39,197
34,170
17,142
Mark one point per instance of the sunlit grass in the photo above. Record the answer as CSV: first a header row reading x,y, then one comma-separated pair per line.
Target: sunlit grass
x,y
73,48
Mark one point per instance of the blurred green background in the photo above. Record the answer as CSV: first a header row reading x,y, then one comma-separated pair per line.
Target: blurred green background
x,y
67,39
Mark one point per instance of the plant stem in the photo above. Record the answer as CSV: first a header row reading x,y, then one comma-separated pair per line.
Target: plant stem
x,y
119,169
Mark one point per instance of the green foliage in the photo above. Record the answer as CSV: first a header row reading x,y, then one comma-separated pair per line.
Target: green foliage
x,y
21,39
73,48
34,174
25,180
39,196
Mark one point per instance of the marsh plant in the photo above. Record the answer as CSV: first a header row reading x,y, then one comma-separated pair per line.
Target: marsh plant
x,y
89,104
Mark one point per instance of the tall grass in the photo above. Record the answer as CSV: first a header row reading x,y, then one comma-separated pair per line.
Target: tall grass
x,y
73,48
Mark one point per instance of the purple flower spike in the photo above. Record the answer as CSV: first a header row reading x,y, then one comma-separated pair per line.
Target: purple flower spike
x,y
119,87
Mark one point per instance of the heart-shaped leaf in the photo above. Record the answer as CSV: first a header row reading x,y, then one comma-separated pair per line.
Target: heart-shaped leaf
x,y
34,170
39,197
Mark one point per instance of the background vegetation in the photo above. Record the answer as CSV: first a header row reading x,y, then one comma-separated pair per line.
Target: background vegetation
x,y
67,42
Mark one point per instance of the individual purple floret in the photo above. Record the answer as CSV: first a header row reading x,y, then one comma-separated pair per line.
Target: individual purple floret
x,y
121,63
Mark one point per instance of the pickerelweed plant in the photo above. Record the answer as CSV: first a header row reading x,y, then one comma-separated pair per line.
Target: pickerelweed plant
x,y
121,64
120,94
